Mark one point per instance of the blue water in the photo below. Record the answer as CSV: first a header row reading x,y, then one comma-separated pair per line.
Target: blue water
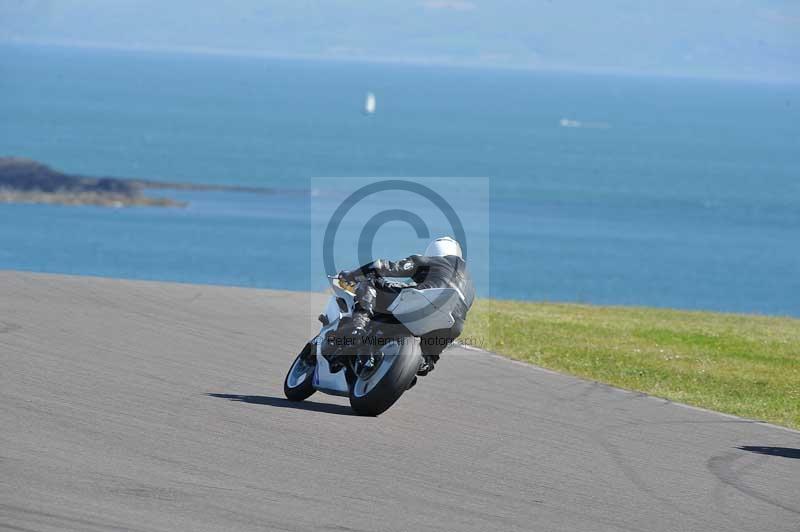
x,y
688,196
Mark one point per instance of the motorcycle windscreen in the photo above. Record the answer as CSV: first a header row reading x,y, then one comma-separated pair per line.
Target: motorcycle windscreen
x,y
423,311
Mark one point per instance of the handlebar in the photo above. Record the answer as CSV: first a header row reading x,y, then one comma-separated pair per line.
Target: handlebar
x,y
341,283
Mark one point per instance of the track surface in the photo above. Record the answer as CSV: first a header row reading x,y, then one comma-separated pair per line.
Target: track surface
x,y
154,407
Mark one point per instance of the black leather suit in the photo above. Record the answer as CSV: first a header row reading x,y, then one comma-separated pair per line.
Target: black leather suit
x,y
376,290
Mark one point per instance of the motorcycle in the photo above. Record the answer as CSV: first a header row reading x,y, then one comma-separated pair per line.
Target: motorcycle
x,y
377,372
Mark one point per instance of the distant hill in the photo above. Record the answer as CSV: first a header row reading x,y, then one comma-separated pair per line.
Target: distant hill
x,y
27,181
27,175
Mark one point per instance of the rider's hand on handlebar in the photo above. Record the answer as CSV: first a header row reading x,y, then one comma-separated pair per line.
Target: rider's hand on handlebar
x,y
350,276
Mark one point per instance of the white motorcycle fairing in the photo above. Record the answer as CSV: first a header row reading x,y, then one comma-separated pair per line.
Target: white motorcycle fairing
x,y
324,380
426,310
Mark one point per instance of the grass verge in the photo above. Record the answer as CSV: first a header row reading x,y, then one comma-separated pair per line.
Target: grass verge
x,y
740,364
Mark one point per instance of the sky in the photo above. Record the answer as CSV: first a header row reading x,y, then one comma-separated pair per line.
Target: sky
x,y
750,39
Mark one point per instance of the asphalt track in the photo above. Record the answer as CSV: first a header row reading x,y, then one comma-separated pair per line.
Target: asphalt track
x,y
157,407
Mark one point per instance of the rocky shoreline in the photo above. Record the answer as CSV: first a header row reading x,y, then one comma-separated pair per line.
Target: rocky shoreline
x,y
84,198
27,181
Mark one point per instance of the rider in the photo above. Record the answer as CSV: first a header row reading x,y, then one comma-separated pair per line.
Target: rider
x,y
441,266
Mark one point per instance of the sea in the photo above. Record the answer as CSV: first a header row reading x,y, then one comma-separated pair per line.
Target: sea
x,y
602,189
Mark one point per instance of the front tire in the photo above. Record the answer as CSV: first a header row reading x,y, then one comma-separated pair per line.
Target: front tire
x,y
299,382
373,395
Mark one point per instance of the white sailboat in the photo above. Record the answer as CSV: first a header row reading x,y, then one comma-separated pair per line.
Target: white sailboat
x,y
369,104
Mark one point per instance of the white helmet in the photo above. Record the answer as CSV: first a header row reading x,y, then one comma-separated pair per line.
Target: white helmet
x,y
442,247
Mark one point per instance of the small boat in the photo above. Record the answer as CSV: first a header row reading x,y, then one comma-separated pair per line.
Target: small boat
x,y
566,122
369,104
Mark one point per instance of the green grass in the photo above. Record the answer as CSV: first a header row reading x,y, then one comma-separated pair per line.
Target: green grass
x,y
739,364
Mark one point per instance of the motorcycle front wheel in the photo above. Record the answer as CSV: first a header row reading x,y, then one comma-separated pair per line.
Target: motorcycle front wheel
x,y
373,391
298,384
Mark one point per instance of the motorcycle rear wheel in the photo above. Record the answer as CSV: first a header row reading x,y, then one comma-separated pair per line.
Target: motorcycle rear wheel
x,y
373,393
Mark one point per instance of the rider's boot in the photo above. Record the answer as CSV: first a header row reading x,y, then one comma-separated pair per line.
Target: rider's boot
x,y
362,312
428,364
358,327
357,336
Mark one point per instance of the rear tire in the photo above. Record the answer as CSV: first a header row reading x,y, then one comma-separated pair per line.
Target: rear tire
x,y
368,398
299,382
